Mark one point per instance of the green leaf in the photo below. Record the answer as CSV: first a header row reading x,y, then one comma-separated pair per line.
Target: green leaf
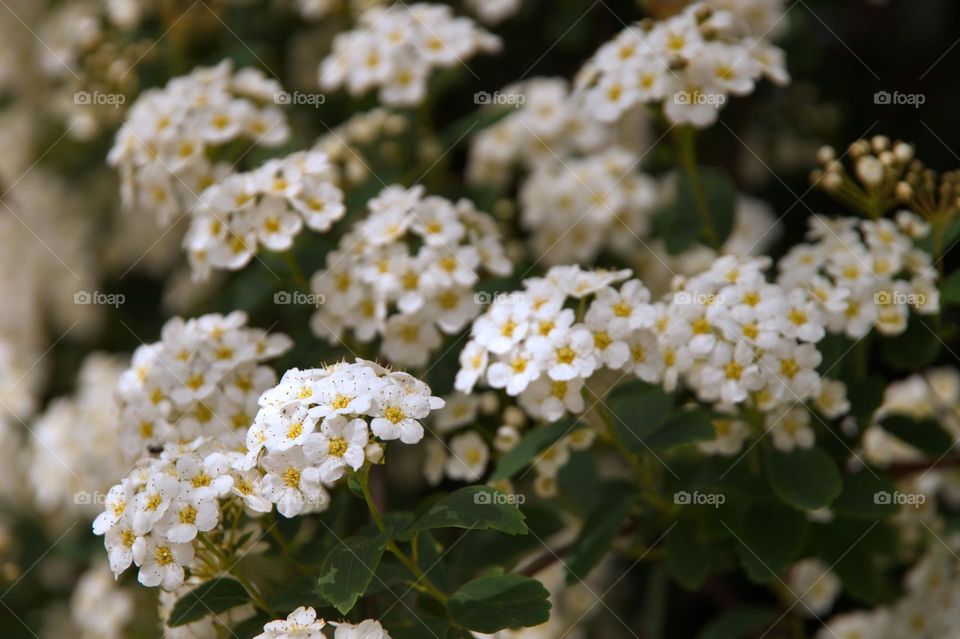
x,y
473,507
863,496
925,435
210,597
950,289
804,478
679,224
601,526
739,623
865,397
534,441
915,348
639,410
687,560
685,427
772,536
349,567
490,604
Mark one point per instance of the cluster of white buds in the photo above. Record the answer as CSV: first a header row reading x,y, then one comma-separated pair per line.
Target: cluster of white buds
x,y
406,270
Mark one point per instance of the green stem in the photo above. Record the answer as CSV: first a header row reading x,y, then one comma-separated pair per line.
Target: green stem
x,y
295,271
687,152
363,478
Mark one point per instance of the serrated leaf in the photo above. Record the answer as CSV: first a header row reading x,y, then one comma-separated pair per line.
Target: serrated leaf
x,y
490,604
474,508
349,567
533,441
925,435
804,478
210,597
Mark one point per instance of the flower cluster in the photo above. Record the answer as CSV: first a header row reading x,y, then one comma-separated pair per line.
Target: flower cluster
x,y
494,11
546,123
313,427
163,149
355,146
688,63
395,48
153,517
264,207
303,623
99,607
576,208
203,378
861,274
70,465
406,269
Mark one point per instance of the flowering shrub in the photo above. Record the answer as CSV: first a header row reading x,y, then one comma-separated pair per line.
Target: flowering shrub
x,y
481,320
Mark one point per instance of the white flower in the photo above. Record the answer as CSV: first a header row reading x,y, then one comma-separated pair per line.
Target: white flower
x,y
368,629
398,413
292,484
161,561
340,443
468,457
302,623
814,586
790,429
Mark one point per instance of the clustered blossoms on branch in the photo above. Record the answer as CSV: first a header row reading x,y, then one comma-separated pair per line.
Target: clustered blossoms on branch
x,y
303,623
395,48
405,270
163,151
264,207
547,125
861,274
688,63
576,208
203,378
314,426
